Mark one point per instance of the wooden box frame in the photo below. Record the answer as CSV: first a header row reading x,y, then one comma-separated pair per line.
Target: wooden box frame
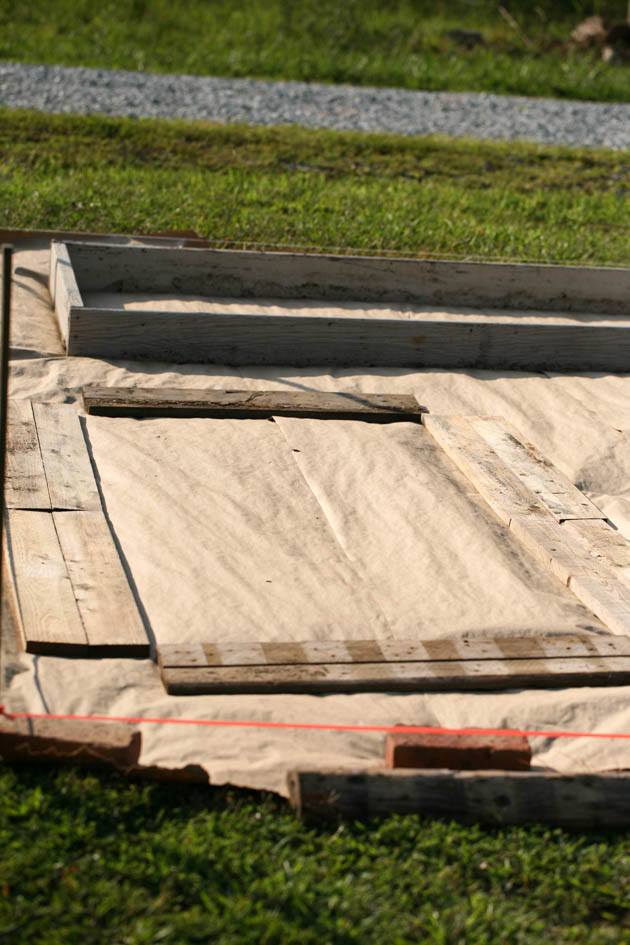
x,y
504,316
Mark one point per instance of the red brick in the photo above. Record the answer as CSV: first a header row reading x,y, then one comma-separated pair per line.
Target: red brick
x,y
458,752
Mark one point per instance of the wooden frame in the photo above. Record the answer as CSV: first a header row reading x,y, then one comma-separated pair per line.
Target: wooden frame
x,y
55,516
554,520
520,330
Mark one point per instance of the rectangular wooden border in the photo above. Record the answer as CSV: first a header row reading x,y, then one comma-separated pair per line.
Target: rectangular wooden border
x,y
303,340
496,798
555,521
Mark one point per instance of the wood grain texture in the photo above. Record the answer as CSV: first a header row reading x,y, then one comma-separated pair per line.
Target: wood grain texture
x,y
554,490
145,402
25,483
300,275
49,616
501,488
580,801
105,601
62,285
69,474
561,645
596,582
304,341
433,676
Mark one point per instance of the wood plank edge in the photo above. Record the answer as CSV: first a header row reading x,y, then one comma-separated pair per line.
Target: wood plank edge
x,y
580,801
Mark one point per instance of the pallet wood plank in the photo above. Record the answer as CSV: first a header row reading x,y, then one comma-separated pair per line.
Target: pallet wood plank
x,y
69,474
436,676
604,543
25,481
109,612
497,484
575,801
145,402
554,490
562,645
593,580
49,617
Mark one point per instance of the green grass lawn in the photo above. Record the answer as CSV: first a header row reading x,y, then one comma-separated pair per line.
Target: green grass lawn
x,y
87,859
401,43
315,189
94,859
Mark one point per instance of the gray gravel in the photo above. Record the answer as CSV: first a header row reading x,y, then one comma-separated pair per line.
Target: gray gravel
x,y
344,107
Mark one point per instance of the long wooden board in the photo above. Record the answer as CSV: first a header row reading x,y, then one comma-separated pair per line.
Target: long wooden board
x,y
242,339
560,645
25,483
370,666
69,474
108,610
581,801
49,617
249,274
145,402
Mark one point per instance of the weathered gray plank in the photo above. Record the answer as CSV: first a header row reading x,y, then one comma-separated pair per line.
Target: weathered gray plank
x,y
501,488
105,601
303,341
561,645
69,474
592,579
25,483
554,490
300,275
604,543
145,402
576,801
49,616
398,677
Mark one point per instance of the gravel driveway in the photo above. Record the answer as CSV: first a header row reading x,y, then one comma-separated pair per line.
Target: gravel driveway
x,y
343,107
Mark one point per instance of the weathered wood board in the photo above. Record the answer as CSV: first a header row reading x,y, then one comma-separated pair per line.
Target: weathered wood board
x,y
468,338
235,404
409,666
233,273
25,484
105,601
49,615
578,801
69,474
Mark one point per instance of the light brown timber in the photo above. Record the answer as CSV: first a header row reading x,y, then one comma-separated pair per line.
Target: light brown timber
x,y
49,617
25,483
105,601
69,474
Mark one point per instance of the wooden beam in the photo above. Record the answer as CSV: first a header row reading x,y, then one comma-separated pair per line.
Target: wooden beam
x,y
577,801
67,465
108,610
455,648
248,404
25,484
49,617
247,274
493,675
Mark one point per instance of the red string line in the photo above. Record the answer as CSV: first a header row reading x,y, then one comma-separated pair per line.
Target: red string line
x,y
313,726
